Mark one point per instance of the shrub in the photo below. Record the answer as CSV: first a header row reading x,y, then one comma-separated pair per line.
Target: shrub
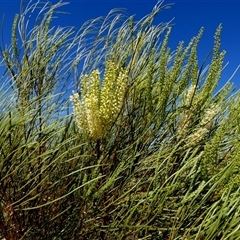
x,y
150,150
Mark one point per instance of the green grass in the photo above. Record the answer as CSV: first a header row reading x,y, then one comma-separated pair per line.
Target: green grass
x,y
166,165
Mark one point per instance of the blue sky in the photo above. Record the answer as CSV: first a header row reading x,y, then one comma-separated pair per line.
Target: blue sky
x,y
189,17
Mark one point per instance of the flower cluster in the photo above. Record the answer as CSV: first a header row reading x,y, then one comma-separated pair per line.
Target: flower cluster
x,y
204,126
91,102
114,86
189,102
78,112
209,115
99,106
190,95
188,119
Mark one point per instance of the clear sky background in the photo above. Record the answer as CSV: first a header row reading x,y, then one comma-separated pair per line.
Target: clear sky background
x,y
189,16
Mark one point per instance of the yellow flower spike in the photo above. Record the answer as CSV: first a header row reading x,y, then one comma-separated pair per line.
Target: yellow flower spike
x,y
90,99
114,86
196,137
204,126
79,113
189,100
107,93
209,116
192,90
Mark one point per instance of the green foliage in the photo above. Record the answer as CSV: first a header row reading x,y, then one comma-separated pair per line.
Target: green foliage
x,y
162,162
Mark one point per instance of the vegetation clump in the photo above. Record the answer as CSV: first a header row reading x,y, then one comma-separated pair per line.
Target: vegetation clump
x,y
146,147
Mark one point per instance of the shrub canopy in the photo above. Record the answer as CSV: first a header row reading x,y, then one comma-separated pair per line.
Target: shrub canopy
x,y
147,146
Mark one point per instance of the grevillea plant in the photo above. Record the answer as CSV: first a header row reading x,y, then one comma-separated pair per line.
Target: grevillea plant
x,y
99,105
146,147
